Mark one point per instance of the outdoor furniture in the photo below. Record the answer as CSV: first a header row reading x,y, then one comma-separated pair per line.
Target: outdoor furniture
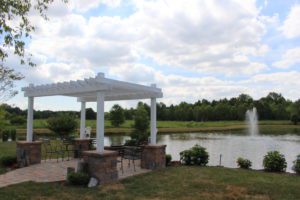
x,y
131,153
52,150
68,146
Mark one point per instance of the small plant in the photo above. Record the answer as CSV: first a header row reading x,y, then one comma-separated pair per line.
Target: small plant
x,y
296,166
168,159
197,155
78,178
274,162
244,163
8,161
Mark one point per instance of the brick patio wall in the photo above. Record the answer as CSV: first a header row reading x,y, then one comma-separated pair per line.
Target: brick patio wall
x,y
33,153
153,157
102,166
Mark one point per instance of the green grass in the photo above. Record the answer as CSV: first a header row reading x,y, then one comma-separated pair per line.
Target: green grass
x,y
173,126
172,183
41,123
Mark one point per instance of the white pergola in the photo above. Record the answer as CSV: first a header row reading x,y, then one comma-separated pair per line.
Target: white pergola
x,y
98,89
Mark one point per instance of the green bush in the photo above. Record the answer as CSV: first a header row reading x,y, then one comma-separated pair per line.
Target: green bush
x,y
62,125
244,163
274,162
9,133
78,178
13,134
8,161
17,120
5,135
295,119
197,155
296,166
131,142
168,159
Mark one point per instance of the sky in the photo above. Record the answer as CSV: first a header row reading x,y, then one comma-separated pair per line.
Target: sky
x,y
191,49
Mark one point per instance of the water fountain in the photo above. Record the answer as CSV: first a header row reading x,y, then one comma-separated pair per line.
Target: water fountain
x,y
252,121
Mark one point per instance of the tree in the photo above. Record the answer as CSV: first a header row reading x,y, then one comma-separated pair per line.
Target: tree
x,y
62,125
141,119
15,30
117,115
3,120
90,113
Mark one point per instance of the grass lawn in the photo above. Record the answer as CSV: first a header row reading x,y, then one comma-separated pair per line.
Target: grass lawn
x,y
172,183
172,126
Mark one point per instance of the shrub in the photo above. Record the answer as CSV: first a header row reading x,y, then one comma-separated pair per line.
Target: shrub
x,y
140,137
9,133
295,119
78,178
13,134
296,166
244,163
62,125
5,135
168,159
131,142
8,161
197,155
17,120
274,162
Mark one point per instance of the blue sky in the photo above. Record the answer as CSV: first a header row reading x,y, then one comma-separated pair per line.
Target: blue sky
x,y
191,49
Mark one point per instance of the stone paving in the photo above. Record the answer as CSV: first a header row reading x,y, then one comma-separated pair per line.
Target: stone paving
x,y
51,171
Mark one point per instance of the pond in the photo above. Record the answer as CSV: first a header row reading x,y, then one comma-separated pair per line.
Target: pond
x,y
231,145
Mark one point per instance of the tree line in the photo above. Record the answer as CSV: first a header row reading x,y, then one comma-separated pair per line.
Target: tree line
x,y
271,107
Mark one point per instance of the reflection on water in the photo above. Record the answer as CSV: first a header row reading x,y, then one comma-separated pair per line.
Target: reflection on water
x,y
231,145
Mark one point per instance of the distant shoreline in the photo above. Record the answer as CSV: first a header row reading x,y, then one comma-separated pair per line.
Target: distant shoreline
x,y
179,127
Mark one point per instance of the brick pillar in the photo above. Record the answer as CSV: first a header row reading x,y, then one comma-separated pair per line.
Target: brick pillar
x,y
153,157
81,145
28,153
102,166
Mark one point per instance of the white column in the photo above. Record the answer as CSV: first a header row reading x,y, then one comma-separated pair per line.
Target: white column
x,y
100,122
82,120
29,120
153,121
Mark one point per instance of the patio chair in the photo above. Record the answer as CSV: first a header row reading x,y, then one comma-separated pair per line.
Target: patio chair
x,y
52,150
68,146
131,154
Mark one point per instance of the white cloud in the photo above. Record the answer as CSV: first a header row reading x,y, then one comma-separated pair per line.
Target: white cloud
x,y
210,38
291,25
289,58
197,36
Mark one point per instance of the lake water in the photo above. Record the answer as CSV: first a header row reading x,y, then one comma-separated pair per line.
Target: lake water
x,y
230,144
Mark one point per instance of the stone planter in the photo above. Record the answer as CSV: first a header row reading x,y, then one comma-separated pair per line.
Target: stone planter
x,y
153,157
29,153
81,145
102,166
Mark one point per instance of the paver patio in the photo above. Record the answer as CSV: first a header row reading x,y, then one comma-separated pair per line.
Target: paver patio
x,y
52,171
